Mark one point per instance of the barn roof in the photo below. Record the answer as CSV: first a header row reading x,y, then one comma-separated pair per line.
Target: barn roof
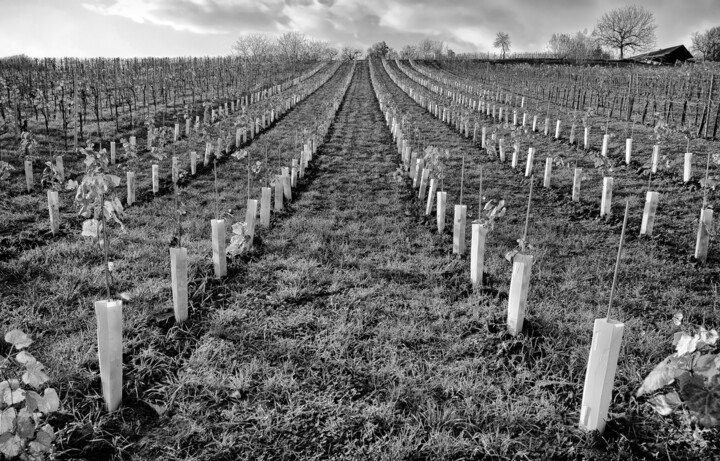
x,y
672,54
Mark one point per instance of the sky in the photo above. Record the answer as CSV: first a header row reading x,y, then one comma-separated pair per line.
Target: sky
x,y
137,28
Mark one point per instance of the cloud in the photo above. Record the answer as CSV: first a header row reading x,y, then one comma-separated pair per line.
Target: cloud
x,y
465,25
197,16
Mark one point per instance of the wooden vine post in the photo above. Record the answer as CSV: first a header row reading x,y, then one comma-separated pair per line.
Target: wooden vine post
x,y
477,244
179,280
130,179
155,179
193,163
548,172
577,180
218,247
109,337
602,363
423,183
606,200
29,175
113,152
586,138
628,150
265,206
529,163
279,192
703,235
54,211
460,218
441,205
431,196
655,159
648,219
520,281
250,218
606,139
293,172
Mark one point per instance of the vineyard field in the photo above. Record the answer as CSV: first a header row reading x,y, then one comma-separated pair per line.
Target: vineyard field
x,y
346,327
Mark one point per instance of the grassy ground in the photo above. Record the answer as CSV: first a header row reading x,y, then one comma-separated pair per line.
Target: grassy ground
x,y
49,291
571,280
355,334
26,223
352,332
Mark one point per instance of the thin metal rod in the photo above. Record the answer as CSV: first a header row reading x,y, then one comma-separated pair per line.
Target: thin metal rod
x,y
617,262
480,209
527,214
462,177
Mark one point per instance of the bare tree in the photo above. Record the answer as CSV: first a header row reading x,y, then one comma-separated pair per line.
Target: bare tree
x,y
502,41
707,43
576,47
429,48
628,28
320,50
350,54
292,45
409,52
252,47
379,49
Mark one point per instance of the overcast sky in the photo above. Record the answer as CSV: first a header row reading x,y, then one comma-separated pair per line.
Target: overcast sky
x,y
127,28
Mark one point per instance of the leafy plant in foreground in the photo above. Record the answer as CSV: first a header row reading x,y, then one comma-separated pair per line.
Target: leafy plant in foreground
x,y
493,211
28,146
434,161
694,372
5,169
96,202
22,408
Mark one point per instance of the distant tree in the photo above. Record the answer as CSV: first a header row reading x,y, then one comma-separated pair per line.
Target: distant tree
x,y
707,43
450,54
409,52
252,47
292,46
578,47
321,50
350,54
379,49
502,41
628,28
429,48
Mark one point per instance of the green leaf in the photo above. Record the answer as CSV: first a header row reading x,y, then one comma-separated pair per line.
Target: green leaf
x,y
18,339
707,365
90,228
50,401
665,373
43,440
10,445
666,403
11,393
703,403
32,401
25,426
25,357
7,420
687,344
34,375
112,179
